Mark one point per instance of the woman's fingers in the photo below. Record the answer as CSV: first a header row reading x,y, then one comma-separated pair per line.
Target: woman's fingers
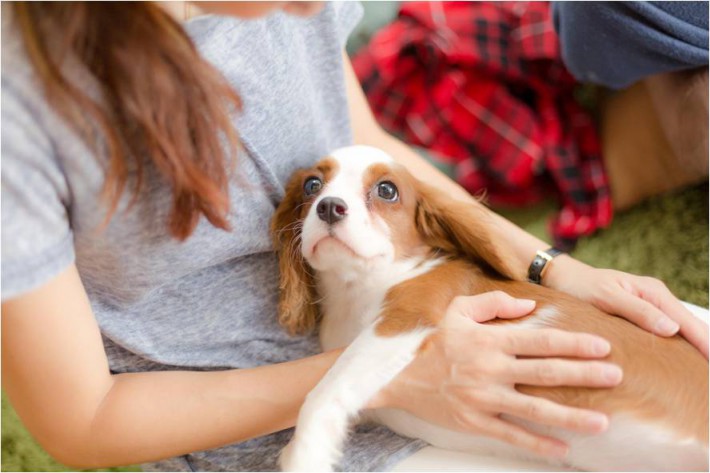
x,y
557,372
628,301
691,328
553,342
519,437
696,332
544,411
489,305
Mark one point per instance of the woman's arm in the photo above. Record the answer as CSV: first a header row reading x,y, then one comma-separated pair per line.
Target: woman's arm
x,y
57,377
645,301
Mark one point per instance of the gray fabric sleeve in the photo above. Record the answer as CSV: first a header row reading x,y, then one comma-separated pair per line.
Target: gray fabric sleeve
x,y
37,241
348,14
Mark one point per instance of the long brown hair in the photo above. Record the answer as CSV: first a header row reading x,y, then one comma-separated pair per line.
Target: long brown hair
x,y
160,103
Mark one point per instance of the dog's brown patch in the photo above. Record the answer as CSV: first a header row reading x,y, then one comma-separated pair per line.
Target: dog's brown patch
x,y
327,168
656,386
399,215
422,301
298,312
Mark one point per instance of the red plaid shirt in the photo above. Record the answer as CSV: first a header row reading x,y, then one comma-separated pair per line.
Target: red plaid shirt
x,y
482,86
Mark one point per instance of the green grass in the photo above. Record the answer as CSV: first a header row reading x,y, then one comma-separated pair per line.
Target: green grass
x,y
666,237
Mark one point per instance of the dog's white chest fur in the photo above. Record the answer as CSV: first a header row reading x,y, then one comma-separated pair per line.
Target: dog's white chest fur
x,y
350,305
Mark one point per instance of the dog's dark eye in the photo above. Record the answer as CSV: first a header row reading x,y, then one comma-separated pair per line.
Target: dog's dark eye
x,y
387,191
312,185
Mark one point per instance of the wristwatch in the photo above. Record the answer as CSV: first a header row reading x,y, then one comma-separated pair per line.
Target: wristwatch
x,y
540,264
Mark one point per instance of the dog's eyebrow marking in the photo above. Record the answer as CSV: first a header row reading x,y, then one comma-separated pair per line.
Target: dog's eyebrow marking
x,y
327,167
375,172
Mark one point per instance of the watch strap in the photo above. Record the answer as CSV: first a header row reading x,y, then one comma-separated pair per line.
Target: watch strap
x,y
540,264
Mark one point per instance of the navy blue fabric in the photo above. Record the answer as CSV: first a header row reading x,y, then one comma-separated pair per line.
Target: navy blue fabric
x,y
618,43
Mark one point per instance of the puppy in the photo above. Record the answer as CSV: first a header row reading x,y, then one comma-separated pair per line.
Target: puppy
x,y
375,257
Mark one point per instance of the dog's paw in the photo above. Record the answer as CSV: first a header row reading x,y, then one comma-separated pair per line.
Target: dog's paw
x,y
299,457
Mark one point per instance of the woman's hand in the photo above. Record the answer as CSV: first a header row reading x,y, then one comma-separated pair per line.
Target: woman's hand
x,y
465,375
645,301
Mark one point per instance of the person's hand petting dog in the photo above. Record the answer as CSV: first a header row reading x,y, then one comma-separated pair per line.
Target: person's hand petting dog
x,y
645,301
465,377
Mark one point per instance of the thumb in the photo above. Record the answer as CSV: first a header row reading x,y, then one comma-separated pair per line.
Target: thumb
x,y
489,305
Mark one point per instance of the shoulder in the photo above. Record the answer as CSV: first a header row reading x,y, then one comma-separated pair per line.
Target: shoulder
x,y
23,104
19,82
27,116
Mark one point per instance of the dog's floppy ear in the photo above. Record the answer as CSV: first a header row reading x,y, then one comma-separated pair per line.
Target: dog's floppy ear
x,y
298,312
463,228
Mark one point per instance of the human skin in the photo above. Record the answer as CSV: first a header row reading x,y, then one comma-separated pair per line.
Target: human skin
x,y
56,374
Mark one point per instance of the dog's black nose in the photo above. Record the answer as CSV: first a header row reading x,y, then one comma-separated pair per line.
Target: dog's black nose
x,y
332,209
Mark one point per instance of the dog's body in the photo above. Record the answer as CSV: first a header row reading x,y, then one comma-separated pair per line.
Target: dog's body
x,y
383,278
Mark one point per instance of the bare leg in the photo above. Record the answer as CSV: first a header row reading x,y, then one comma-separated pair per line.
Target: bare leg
x,y
655,136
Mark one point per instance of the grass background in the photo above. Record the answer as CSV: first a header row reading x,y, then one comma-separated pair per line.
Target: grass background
x,y
665,237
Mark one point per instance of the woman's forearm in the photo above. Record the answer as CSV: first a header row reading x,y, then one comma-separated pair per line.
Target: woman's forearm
x,y
56,375
154,415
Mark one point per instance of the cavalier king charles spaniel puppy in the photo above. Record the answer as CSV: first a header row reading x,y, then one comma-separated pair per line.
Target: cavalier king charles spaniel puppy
x,y
374,257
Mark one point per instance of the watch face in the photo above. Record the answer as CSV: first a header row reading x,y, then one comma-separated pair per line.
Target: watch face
x,y
539,263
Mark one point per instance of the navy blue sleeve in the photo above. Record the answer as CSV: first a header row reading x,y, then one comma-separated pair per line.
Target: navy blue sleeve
x,y
618,43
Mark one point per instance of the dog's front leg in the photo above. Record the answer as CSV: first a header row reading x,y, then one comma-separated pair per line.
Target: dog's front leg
x,y
364,368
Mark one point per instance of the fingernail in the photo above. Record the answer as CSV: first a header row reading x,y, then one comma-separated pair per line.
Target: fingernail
x,y
666,326
600,347
612,374
596,423
526,303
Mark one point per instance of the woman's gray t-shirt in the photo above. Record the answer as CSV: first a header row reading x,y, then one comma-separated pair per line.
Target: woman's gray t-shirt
x,y
210,302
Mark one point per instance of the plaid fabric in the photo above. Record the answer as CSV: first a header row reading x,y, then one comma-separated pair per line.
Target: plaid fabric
x,y
481,85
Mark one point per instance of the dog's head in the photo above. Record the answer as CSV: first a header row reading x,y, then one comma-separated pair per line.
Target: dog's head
x,y
358,211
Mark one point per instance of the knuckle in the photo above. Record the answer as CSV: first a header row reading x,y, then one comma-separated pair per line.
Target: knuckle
x,y
580,345
486,371
657,284
547,374
495,402
481,399
509,339
510,436
608,289
539,446
485,339
464,421
473,397
649,315
534,410
544,342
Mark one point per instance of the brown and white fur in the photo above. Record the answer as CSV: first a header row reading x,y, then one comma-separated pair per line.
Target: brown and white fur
x,y
378,274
